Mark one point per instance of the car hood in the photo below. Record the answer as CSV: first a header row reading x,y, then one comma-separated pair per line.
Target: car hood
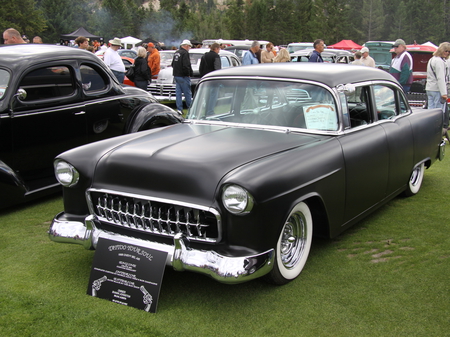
x,y
187,162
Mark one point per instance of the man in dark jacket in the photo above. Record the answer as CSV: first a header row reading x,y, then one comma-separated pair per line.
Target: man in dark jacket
x,y
319,46
182,72
211,60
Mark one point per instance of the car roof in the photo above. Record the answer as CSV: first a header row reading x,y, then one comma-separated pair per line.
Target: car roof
x,y
329,74
33,52
238,47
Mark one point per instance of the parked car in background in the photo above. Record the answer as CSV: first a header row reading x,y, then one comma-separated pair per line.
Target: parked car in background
x,y
54,98
381,53
328,56
228,43
163,88
239,51
130,53
269,155
296,46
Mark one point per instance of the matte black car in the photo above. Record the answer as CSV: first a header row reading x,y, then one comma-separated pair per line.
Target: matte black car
x,y
269,155
54,98
328,56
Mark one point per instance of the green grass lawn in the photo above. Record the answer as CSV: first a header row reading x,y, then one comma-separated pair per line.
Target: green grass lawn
x,y
387,276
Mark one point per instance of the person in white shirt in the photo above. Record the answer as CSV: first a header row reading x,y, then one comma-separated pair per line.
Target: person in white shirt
x,y
113,60
366,60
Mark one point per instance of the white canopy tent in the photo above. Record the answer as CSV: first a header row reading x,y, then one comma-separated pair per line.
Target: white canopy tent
x,y
129,42
431,44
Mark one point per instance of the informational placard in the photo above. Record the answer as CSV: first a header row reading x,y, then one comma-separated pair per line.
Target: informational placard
x,y
127,274
320,117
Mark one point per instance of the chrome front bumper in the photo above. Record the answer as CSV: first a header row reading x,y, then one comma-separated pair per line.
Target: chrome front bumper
x,y
222,268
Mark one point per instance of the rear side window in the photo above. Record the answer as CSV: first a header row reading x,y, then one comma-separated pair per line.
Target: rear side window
x,y
91,79
4,80
48,82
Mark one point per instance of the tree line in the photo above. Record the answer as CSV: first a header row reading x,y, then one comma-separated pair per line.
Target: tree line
x,y
278,21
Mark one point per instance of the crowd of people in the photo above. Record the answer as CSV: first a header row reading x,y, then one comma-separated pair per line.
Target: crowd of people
x,y
147,63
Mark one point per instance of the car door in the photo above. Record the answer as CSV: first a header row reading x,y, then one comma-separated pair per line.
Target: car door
x,y
366,155
105,116
50,120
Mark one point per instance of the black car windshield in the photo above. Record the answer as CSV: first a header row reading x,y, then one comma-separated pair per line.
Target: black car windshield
x,y
264,102
4,80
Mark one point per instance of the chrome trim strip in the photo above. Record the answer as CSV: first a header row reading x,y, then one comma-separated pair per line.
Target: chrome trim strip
x,y
225,269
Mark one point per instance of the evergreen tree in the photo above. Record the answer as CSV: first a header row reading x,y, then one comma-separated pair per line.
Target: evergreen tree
x,y
236,19
373,19
25,16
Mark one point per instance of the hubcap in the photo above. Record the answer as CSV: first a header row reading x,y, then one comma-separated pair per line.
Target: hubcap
x,y
293,240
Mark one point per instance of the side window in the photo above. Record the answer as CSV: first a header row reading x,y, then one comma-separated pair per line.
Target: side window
x,y
359,107
385,101
4,79
403,105
91,79
225,62
49,82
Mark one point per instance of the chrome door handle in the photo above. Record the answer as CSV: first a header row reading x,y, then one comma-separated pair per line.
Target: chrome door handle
x,y
79,113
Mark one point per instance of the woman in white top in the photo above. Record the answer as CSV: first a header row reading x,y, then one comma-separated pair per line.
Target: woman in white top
x,y
438,77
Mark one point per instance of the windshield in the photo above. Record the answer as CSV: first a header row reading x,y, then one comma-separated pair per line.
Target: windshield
x,y
264,102
4,80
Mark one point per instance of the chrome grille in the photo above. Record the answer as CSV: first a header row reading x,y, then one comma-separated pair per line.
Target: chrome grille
x,y
156,216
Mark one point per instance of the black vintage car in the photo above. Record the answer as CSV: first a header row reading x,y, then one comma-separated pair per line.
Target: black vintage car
x,y
269,155
54,98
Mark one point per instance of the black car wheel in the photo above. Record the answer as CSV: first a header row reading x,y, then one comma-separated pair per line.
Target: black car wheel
x,y
293,246
415,180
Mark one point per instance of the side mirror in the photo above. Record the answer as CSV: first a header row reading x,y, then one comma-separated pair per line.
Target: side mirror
x,y
21,95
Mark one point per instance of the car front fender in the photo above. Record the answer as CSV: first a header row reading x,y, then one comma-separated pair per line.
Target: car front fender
x,y
151,116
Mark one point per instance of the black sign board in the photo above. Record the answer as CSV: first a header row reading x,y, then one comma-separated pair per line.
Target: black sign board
x,y
127,274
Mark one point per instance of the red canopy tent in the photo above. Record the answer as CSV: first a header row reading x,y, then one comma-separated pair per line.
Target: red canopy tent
x,y
346,45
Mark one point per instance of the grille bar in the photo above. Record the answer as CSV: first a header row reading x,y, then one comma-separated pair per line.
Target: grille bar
x,y
156,216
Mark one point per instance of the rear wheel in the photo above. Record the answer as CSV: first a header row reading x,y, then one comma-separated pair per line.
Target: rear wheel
x,y
293,246
415,180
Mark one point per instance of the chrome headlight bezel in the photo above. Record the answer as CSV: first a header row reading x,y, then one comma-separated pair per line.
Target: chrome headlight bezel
x,y
66,174
236,199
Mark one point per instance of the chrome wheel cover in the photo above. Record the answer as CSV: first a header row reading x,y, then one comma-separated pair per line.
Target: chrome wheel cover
x,y
293,240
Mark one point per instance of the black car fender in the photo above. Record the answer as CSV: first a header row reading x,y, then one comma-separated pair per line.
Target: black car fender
x,y
12,186
151,116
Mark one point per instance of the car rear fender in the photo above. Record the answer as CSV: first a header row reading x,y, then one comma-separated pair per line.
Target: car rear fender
x,y
151,116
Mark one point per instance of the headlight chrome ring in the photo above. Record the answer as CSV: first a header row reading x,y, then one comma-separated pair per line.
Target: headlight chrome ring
x,y
65,173
237,199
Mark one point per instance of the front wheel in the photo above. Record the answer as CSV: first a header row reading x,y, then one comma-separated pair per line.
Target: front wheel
x,y
293,246
415,180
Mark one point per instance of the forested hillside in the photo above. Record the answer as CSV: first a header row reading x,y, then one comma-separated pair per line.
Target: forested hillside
x,y
280,21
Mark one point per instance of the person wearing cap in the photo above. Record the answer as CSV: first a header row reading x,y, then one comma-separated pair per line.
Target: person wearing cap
x,y
182,72
113,60
437,77
366,60
12,36
402,65
153,59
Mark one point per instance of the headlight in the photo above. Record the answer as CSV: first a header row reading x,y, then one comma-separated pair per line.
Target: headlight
x,y
66,174
237,200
